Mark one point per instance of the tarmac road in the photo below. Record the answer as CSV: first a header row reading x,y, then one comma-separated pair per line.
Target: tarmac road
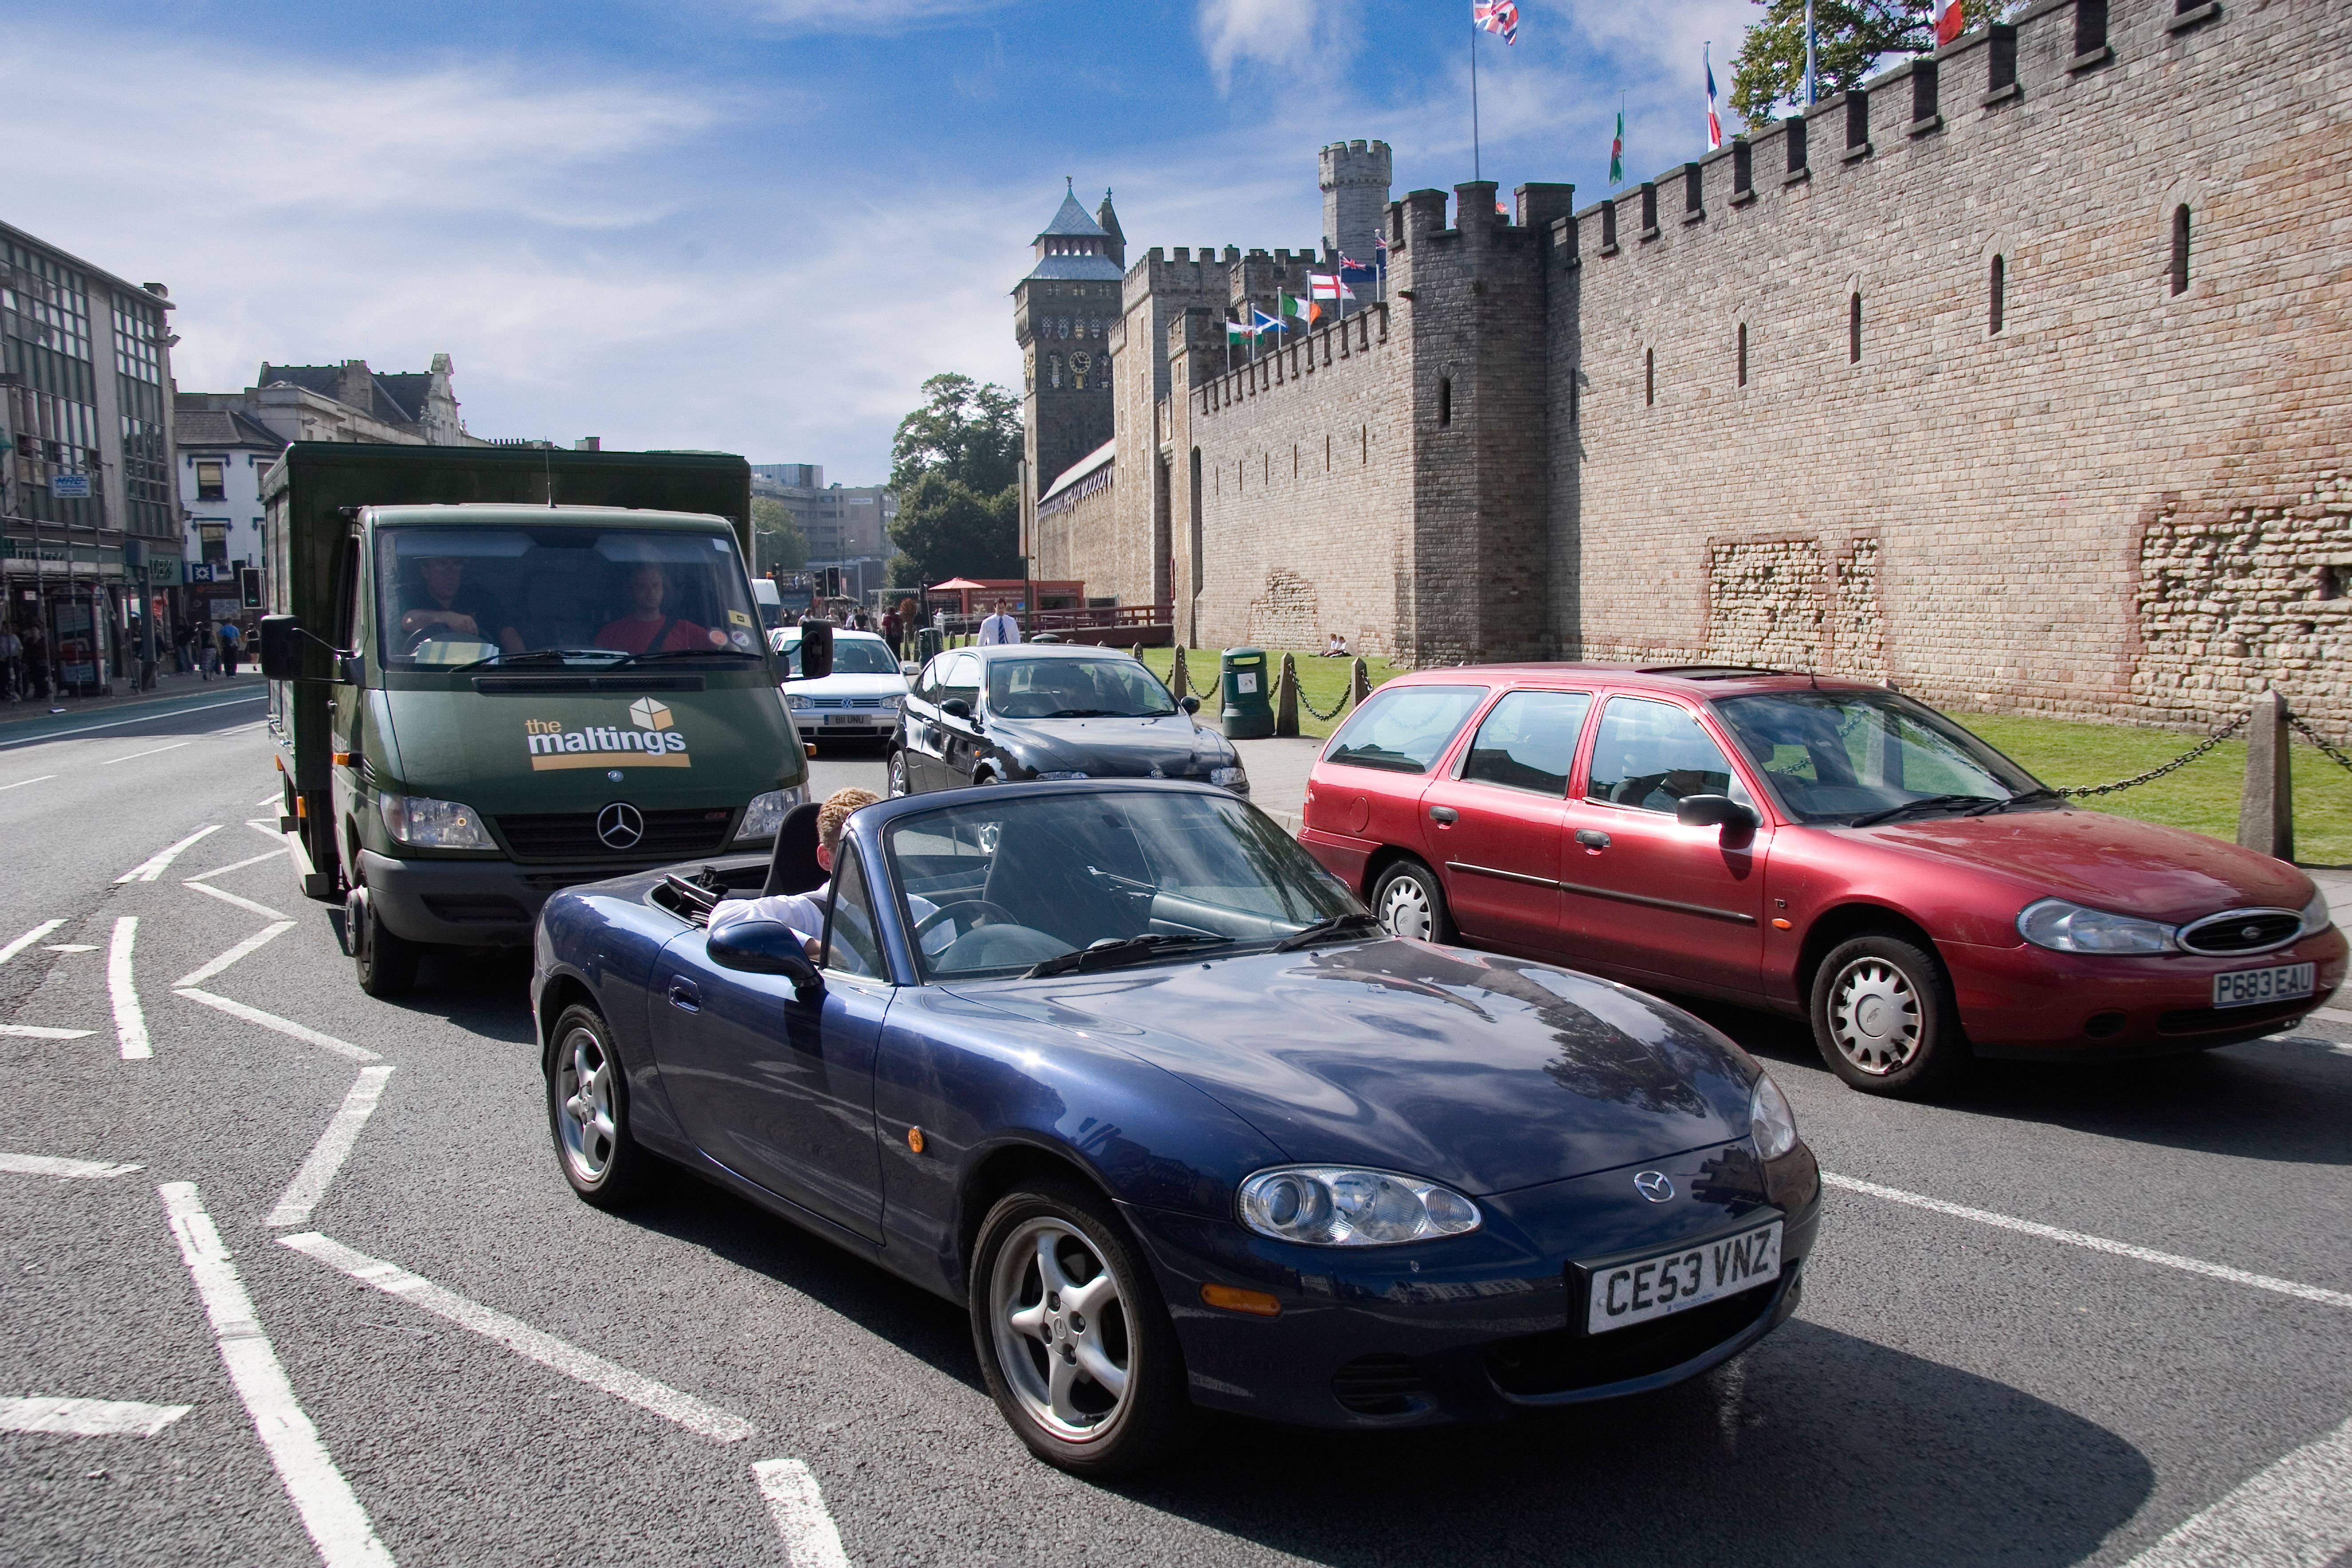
x,y
531,1380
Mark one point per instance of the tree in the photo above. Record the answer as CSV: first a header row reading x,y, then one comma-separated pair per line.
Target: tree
x,y
947,530
1849,37
783,547
955,465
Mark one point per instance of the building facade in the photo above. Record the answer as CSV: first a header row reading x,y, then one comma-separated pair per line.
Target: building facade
x,y
223,454
847,526
2005,378
89,521
1063,314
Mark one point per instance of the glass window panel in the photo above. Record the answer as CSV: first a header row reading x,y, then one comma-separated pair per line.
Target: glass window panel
x,y
1654,755
1529,741
1403,728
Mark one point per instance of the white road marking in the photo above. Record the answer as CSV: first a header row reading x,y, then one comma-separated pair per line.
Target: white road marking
x,y
797,1505
272,798
243,950
286,1026
2295,1514
225,896
28,1032
134,756
2096,1243
130,1023
334,1147
28,939
51,1165
71,947
119,724
707,1420
339,1526
89,1417
152,867
237,865
269,830
20,783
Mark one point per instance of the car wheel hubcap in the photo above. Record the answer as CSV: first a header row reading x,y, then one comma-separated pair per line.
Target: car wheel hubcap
x,y
1875,1016
897,773
583,1085
1061,1331
1404,909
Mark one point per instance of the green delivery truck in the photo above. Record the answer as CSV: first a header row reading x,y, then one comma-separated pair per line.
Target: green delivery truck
x,y
495,673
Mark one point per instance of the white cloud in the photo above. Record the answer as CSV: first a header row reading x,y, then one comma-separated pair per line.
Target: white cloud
x,y
1282,34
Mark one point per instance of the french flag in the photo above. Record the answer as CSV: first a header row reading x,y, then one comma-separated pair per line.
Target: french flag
x,y
1715,125
1949,21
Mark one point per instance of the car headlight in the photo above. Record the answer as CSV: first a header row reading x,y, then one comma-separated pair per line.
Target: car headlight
x,y
432,824
1060,773
2062,927
1335,1205
799,700
2316,915
1228,778
766,812
1770,1123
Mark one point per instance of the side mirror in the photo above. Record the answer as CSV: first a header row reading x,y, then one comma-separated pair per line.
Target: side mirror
x,y
957,708
281,648
1713,811
1189,703
766,947
817,650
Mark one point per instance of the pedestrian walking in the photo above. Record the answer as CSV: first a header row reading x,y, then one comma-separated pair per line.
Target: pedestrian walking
x,y
907,613
999,629
35,657
183,648
207,650
232,643
894,633
12,664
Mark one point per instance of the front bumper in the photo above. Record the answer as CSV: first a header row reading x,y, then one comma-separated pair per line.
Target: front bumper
x,y
1474,1328
2027,1001
471,903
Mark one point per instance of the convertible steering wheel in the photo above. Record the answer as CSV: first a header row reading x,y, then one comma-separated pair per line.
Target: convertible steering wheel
x,y
929,923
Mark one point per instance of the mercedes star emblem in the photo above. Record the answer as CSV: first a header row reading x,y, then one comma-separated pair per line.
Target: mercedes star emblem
x,y
620,825
1654,1185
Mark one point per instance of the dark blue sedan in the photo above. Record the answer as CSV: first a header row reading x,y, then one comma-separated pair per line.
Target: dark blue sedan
x,y
1121,1069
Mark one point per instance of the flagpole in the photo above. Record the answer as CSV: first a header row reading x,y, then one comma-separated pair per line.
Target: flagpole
x,y
1475,172
1810,80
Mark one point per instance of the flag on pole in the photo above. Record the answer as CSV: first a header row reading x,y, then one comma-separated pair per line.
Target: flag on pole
x,y
1949,21
1715,125
1261,322
1236,333
1291,305
1352,271
1332,285
1617,151
1497,16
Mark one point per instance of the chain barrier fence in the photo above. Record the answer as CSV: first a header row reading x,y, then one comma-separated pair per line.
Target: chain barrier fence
x,y
2312,735
2177,764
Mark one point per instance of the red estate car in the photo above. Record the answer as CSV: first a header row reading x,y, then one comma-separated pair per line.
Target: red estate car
x,y
1822,848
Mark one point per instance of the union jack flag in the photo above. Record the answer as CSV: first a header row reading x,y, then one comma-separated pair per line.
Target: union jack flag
x,y
1497,16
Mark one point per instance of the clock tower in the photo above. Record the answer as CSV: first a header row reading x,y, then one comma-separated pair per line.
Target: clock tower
x,y
1063,313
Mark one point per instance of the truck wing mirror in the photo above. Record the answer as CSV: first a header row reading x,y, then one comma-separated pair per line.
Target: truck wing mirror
x,y
816,649
766,947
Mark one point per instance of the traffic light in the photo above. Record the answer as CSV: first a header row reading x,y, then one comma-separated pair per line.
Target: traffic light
x,y
248,584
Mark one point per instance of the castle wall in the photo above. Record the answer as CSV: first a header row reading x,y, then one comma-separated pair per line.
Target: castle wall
x,y
2124,503
1074,535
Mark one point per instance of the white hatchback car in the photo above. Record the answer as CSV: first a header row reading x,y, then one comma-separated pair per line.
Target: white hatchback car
x,y
858,701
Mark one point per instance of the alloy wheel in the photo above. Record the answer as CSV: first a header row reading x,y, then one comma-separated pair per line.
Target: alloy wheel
x,y
1061,1329
583,1086
1404,909
898,784
1875,1016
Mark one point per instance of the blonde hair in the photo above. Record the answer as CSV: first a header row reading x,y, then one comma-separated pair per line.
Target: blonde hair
x,y
836,811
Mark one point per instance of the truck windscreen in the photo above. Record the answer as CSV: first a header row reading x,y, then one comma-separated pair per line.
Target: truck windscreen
x,y
452,596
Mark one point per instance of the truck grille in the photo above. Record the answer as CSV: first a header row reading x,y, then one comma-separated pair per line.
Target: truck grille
x,y
571,835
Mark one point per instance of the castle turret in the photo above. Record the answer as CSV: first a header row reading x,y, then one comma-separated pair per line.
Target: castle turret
x,y
1354,176
1117,250
1062,313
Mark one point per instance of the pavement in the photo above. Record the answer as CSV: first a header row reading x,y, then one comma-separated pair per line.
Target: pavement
x,y
290,1276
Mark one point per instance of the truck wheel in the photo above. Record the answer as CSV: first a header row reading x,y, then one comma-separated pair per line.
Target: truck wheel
x,y
385,962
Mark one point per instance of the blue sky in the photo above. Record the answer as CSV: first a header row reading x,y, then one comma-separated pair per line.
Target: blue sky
x,y
753,225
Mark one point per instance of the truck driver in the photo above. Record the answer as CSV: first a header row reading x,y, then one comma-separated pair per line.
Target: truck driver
x,y
449,608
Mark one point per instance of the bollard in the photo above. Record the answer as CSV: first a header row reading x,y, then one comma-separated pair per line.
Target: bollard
x,y
1360,683
1136,653
1177,683
2266,811
1286,697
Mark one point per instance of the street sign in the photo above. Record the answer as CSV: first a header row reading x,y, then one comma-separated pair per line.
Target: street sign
x,y
69,486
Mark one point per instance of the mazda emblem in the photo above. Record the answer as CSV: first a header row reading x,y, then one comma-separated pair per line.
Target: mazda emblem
x,y
1654,1185
620,825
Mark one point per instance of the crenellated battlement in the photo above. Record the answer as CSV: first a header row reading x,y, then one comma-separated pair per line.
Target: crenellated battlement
x,y
1323,348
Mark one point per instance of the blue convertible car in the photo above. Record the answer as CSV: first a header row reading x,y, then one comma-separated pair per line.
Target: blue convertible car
x,y
1118,1066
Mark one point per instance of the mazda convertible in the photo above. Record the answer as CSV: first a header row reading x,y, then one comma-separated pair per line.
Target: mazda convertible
x,y
1118,1066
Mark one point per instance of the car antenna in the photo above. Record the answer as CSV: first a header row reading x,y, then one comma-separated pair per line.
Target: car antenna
x,y
548,463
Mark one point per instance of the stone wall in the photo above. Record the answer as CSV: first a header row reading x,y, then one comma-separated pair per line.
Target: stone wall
x,y
1073,536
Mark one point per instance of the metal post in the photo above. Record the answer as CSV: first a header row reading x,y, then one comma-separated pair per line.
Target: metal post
x,y
1286,697
1360,682
2266,810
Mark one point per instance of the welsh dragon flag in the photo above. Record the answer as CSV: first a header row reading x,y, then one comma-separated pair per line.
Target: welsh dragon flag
x,y
1617,151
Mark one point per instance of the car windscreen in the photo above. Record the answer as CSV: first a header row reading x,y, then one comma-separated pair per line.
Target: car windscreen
x,y
1403,728
1075,688
856,656
564,592
1833,755
1021,878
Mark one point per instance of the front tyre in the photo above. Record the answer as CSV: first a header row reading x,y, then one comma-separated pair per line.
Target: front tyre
x,y
898,784
1072,1338
1410,902
588,1112
1884,1019
384,962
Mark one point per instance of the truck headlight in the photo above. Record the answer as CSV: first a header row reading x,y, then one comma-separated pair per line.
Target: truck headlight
x,y
1335,1206
766,812
2062,927
1770,1123
426,824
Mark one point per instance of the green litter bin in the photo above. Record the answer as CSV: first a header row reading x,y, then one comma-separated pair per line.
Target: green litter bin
x,y
927,644
1249,700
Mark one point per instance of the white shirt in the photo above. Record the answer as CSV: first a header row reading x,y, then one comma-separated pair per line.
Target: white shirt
x,y
804,913
999,629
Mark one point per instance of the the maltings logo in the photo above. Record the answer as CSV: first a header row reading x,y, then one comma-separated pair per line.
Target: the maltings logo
x,y
651,743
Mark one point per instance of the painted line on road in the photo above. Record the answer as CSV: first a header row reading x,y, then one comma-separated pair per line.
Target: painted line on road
x,y
269,830
28,939
797,1505
147,871
130,1023
2295,1514
2096,1243
243,950
286,1026
272,798
29,1032
334,1147
134,756
20,783
339,1526
51,1165
248,905
119,724
707,1420
238,865
87,1417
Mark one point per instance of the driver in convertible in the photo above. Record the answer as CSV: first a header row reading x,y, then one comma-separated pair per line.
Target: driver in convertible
x,y
449,609
805,912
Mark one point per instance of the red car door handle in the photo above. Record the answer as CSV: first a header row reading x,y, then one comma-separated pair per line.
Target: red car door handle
x,y
1592,838
1443,813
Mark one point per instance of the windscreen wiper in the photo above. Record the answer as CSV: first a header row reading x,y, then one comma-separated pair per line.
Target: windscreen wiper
x,y
1111,952
691,653
1329,926
2042,792
1924,803
542,655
